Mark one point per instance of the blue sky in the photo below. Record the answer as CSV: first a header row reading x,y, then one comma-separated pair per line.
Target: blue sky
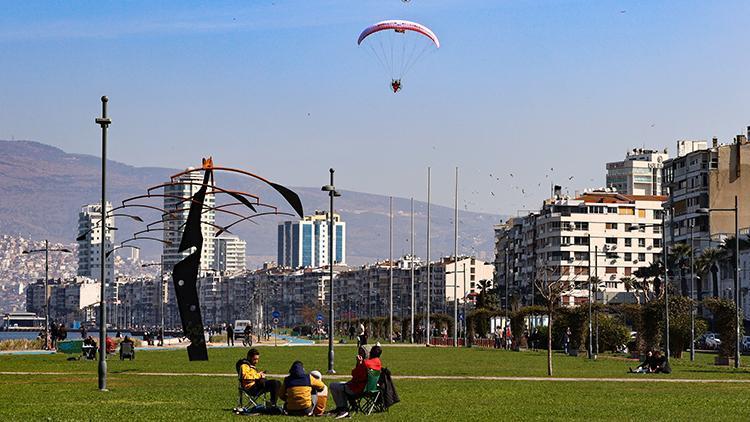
x,y
281,88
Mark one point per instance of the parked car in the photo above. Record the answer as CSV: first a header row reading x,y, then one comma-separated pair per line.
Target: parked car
x,y
712,341
745,343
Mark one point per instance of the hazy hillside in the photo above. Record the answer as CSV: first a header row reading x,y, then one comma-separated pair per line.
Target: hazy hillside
x,y
43,189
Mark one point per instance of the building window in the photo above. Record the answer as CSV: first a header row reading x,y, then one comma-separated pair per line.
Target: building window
x,y
628,242
611,270
626,211
612,255
611,241
581,256
641,243
582,270
657,243
581,240
628,256
611,226
642,257
628,271
582,225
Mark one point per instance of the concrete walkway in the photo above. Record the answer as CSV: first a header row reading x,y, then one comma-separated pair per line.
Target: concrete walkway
x,y
637,378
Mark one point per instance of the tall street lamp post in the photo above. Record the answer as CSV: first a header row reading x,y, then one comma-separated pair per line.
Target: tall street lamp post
x,y
736,271
332,192
104,123
46,251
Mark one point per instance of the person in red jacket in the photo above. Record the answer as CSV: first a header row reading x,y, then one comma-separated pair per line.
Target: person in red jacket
x,y
355,386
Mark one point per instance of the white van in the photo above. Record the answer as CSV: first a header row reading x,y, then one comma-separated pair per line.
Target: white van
x,y
239,327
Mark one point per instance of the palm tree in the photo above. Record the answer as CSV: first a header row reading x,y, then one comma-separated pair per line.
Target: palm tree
x,y
679,257
707,262
653,271
632,283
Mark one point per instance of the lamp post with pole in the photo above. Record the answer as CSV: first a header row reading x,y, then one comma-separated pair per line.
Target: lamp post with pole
x,y
332,192
692,293
104,123
46,251
736,271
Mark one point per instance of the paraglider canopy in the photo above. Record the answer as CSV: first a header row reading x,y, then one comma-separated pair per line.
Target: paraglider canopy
x,y
400,26
398,45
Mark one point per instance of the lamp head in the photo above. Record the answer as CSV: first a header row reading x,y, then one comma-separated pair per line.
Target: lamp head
x,y
703,210
327,188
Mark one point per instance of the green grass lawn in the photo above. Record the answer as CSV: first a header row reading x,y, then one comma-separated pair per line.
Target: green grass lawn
x,y
73,394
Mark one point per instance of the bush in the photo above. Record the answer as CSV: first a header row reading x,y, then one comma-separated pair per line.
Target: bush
x,y
612,333
725,320
479,321
573,318
680,308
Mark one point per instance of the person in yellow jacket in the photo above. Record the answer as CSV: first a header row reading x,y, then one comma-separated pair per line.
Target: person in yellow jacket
x,y
297,391
254,382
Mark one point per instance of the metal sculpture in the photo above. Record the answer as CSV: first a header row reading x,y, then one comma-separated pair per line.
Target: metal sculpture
x,y
185,273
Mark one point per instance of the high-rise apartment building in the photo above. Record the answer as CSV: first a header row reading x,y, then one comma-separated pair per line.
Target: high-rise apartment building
x,y
601,234
304,243
702,177
177,204
229,254
638,174
89,247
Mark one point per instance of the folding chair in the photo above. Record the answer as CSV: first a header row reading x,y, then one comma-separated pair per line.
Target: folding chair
x,y
127,351
253,399
371,398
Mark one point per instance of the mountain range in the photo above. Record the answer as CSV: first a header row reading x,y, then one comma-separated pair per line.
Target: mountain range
x,y
43,189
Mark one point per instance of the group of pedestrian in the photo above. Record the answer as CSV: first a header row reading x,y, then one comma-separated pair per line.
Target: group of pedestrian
x,y
503,337
305,394
57,332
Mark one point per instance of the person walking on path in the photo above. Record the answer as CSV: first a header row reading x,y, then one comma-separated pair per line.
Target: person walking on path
x,y
230,334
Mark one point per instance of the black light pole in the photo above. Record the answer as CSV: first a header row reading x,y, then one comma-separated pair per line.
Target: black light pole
x,y
737,270
104,122
332,192
46,251
692,293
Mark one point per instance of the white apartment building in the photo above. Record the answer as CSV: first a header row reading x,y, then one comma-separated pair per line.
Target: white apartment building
x,y
639,173
89,247
304,243
466,273
229,254
600,234
176,202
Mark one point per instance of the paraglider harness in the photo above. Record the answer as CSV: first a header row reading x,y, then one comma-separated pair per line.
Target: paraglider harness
x,y
396,85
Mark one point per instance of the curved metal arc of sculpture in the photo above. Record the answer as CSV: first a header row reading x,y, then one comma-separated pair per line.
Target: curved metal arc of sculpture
x,y
182,199
149,230
256,215
162,210
291,197
133,239
121,246
238,195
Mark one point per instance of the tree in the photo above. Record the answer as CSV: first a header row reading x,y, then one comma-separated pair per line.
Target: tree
x,y
679,257
650,284
551,288
487,297
725,317
708,262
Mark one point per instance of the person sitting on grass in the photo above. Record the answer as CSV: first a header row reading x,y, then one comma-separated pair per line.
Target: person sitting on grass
x,y
254,382
341,391
660,364
644,366
297,391
321,397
